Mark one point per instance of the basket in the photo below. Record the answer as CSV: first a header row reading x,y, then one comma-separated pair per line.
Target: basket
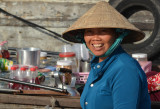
x,y
81,77
146,66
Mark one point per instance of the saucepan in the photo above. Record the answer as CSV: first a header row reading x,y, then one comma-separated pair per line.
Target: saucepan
x,y
28,56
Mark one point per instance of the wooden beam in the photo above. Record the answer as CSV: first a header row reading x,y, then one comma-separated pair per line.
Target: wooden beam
x,y
60,101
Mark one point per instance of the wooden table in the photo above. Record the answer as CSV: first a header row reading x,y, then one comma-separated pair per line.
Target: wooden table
x,y
40,101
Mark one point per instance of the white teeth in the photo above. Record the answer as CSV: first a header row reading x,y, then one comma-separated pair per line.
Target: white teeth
x,y
97,45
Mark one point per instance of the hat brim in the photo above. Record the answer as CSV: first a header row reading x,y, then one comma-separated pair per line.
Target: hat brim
x,y
133,36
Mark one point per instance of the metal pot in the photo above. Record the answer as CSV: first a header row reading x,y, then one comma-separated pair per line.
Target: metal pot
x,y
85,66
28,56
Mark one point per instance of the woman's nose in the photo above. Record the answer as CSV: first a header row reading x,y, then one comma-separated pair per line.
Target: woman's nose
x,y
96,37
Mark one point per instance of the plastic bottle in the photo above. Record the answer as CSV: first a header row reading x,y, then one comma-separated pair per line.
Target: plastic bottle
x,y
33,76
12,73
17,72
27,74
27,77
33,73
22,76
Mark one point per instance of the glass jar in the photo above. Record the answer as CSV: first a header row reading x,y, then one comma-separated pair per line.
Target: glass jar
x,y
5,52
43,60
43,55
72,57
65,77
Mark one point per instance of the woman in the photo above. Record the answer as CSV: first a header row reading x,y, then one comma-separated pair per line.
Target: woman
x,y
116,80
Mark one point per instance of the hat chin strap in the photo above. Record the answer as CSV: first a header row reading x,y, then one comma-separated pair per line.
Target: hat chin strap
x,y
114,45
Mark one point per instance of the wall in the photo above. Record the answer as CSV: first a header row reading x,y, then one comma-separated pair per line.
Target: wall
x,y
55,15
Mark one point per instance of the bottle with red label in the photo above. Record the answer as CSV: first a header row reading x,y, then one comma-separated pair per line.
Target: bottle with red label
x,y
5,52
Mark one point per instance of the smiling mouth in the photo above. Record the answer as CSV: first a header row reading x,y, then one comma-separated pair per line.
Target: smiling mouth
x,y
97,45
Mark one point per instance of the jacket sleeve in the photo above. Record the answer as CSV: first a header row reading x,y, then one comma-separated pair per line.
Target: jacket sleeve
x,y
126,87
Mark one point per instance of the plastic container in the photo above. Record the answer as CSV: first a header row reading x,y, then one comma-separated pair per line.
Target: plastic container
x,y
70,56
81,77
140,56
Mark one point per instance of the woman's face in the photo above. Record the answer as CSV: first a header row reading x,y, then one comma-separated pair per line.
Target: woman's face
x,y
99,40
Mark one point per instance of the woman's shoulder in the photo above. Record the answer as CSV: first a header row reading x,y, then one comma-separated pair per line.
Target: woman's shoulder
x,y
128,65
125,64
125,60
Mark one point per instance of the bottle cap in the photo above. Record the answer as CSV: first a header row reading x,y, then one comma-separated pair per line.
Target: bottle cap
x,y
13,68
23,68
32,69
17,66
27,67
67,54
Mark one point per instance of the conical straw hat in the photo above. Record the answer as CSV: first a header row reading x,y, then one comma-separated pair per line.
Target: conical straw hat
x,y
103,15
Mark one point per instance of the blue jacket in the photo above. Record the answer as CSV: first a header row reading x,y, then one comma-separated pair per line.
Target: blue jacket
x,y
118,82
